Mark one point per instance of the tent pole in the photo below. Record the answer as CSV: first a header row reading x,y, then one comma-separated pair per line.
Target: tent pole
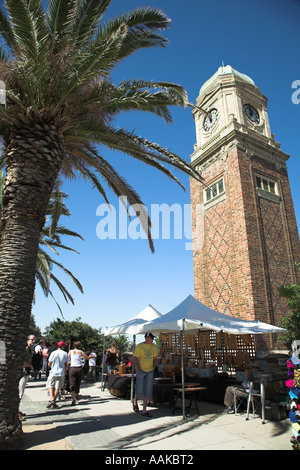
x,y
182,373
132,373
102,387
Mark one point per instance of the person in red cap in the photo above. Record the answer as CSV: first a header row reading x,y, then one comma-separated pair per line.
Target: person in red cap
x,y
58,362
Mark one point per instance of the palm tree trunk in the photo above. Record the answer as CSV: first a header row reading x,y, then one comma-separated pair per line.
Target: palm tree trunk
x,y
30,177
18,253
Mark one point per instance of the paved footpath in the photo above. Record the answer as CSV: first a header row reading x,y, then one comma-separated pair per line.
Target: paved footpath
x,y
101,421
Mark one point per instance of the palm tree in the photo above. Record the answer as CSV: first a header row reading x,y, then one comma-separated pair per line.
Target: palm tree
x,y
59,112
122,343
51,238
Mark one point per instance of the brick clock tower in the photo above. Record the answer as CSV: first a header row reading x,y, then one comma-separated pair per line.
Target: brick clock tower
x,y
245,236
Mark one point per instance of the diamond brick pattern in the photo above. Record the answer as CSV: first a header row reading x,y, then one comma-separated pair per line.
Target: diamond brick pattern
x,y
277,258
217,258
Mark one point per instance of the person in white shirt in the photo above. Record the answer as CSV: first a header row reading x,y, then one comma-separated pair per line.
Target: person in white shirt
x,y
58,362
75,374
92,366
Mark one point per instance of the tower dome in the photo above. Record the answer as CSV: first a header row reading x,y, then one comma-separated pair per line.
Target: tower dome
x,y
225,70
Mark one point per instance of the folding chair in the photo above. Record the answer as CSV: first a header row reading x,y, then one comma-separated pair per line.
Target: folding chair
x,y
248,398
240,397
257,399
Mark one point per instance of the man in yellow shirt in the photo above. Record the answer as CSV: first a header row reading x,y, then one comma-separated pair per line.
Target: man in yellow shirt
x,y
145,361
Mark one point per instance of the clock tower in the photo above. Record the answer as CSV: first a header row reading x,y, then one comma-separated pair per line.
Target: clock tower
x,y
245,236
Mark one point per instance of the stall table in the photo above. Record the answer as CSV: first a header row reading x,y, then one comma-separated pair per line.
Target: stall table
x,y
190,392
164,392
214,388
120,383
104,377
163,388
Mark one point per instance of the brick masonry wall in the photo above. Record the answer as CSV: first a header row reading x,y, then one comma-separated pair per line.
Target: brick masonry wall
x,y
245,246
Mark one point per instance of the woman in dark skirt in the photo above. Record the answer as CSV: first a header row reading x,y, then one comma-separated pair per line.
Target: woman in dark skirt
x,y
75,372
112,355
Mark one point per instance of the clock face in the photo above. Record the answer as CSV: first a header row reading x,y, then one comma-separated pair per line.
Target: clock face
x,y
210,120
251,113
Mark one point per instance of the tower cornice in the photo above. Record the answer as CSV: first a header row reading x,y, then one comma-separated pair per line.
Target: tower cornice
x,y
237,135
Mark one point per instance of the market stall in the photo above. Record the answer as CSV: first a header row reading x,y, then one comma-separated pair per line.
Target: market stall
x,y
135,324
194,326
131,327
196,339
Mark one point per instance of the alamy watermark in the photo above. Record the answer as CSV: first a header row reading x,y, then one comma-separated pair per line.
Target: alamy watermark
x,y
2,92
167,222
296,93
2,352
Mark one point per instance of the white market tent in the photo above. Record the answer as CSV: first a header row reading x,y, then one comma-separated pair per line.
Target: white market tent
x,y
191,315
132,327
135,324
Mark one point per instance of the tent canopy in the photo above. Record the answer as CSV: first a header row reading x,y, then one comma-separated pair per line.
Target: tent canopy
x,y
198,316
135,324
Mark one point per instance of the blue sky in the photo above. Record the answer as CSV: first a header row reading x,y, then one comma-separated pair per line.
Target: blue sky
x,y
121,277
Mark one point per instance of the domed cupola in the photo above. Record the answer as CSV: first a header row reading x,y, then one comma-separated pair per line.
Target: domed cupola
x,y
225,70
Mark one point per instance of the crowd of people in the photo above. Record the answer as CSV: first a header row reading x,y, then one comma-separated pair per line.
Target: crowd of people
x,y
64,366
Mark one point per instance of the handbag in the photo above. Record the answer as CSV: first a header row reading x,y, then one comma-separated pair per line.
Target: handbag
x,y
297,378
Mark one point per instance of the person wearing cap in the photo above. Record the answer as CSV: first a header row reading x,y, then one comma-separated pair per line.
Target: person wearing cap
x,y
145,361
58,362
251,371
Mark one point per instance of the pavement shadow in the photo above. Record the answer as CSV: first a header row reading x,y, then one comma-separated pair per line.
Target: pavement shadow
x,y
154,433
39,437
100,431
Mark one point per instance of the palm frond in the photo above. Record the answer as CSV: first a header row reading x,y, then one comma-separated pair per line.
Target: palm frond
x,y
28,25
43,269
66,294
59,72
122,189
47,261
50,244
88,16
56,209
98,59
60,18
154,97
4,57
6,30
95,181
30,34
135,146
72,277
61,230
57,244
44,285
143,26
